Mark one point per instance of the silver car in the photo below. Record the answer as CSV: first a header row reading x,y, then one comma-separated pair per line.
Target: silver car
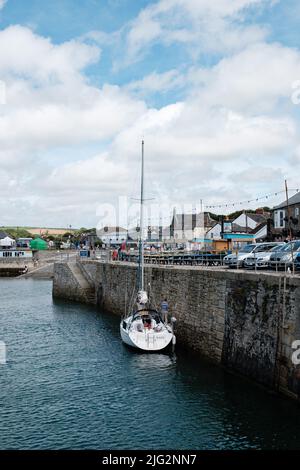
x,y
227,258
249,251
260,259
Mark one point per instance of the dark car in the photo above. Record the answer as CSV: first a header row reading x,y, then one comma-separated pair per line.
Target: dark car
x,y
297,261
281,259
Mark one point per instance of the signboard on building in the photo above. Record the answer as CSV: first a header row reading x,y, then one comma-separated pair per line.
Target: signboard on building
x,y
227,227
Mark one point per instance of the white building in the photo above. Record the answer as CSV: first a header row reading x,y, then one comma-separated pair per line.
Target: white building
x,y
248,220
7,242
244,223
113,235
214,233
15,254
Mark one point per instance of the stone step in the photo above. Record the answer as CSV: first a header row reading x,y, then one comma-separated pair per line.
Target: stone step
x,y
79,276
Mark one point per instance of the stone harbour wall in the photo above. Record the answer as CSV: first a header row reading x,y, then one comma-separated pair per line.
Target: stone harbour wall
x,y
243,321
68,284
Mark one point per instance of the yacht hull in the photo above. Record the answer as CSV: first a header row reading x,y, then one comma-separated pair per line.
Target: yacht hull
x,y
147,340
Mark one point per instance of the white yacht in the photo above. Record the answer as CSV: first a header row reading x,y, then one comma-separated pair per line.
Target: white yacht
x,y
145,328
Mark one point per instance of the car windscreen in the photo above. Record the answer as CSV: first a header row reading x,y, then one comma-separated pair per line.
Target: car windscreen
x,y
263,248
292,246
278,248
247,249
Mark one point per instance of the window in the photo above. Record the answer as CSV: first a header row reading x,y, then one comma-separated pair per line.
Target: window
x,y
296,211
279,219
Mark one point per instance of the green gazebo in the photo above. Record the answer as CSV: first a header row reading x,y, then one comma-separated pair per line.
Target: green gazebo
x,y
38,244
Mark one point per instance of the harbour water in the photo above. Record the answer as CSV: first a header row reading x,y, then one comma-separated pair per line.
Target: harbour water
x,y
70,383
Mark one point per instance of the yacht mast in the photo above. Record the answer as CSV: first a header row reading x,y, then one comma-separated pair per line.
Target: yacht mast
x,y
141,242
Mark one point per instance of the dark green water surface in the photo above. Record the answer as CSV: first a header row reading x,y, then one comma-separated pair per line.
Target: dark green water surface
x,y
70,383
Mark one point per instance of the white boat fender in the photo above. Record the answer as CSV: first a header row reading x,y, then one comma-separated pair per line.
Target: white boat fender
x,y
174,340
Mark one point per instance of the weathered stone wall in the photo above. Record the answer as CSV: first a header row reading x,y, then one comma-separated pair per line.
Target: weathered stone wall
x,y
67,286
244,321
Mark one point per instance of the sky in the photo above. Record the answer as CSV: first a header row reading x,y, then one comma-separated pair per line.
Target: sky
x,y
212,87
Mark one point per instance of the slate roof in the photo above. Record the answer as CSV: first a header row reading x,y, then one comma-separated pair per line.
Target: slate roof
x,y
259,227
3,235
258,218
190,221
292,200
108,230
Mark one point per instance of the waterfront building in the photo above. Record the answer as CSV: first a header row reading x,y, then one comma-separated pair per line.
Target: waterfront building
x,y
7,255
286,218
185,228
245,228
113,235
23,242
3,234
7,243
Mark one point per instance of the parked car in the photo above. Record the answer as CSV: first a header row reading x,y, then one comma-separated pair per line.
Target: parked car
x,y
260,259
227,258
283,258
238,260
297,261
288,259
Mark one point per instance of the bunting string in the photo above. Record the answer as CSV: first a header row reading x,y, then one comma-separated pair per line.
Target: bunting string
x,y
247,201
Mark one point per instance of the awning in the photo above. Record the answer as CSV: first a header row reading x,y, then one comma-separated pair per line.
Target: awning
x,y
238,236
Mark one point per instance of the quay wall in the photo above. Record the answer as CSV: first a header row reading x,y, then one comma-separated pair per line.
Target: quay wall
x,y
243,321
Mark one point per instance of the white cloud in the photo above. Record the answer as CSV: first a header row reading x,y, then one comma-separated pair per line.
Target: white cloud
x,y
158,82
2,3
49,101
24,53
202,25
65,116
253,80
50,105
236,116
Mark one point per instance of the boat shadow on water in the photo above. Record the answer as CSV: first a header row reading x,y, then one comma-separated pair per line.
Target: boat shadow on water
x,y
145,360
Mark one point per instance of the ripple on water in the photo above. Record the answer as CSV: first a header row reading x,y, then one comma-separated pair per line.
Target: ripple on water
x,y
71,383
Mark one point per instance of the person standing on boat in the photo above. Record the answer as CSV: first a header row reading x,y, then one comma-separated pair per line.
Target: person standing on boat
x,y
164,306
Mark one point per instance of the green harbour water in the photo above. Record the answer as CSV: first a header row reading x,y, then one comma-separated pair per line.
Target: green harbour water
x,y
70,383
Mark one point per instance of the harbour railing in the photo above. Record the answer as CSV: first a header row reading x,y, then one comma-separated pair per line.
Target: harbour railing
x,y
182,259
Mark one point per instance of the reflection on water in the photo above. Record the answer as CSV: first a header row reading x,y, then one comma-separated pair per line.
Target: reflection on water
x,y
70,383
153,361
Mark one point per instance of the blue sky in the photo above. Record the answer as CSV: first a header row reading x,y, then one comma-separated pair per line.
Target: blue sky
x,y
64,20
207,84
